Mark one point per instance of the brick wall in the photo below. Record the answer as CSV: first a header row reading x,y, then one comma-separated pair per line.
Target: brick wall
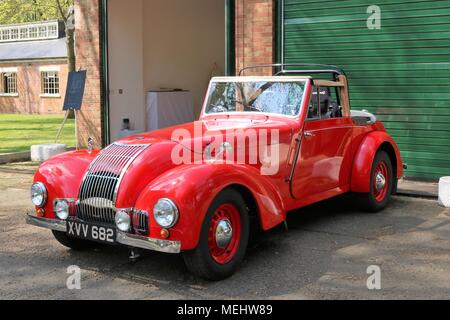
x,y
255,34
29,99
88,53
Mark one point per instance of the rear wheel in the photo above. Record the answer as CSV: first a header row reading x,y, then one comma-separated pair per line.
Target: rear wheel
x,y
72,243
223,239
381,184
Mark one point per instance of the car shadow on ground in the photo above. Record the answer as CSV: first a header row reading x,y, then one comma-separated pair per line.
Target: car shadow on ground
x,y
278,263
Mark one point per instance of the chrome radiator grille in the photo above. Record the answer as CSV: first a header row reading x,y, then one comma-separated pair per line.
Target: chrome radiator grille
x,y
98,191
140,222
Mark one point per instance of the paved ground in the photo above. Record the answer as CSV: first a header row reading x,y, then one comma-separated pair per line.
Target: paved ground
x,y
418,188
324,255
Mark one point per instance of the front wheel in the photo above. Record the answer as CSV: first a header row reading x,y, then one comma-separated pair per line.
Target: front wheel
x,y
223,239
381,184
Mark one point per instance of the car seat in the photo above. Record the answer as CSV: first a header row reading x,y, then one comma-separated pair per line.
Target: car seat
x,y
325,103
328,108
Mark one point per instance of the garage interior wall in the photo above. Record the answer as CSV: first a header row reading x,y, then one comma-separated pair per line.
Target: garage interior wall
x,y
126,65
182,42
400,72
156,44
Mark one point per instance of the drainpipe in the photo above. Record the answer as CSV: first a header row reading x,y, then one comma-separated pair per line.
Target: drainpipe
x,y
230,31
105,72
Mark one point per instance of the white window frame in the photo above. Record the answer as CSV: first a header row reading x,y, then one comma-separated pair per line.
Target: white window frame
x,y
24,33
14,34
6,34
50,90
30,31
52,30
33,32
3,73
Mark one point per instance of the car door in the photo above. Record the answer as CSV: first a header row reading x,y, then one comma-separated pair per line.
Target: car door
x,y
324,160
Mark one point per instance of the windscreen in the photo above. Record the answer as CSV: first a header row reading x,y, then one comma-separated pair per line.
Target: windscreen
x,y
274,97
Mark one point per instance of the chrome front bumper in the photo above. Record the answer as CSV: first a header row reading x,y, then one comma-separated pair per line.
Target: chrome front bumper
x,y
126,239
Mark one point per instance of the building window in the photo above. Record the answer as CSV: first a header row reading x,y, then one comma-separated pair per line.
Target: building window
x,y
43,32
32,31
14,34
23,33
6,34
53,30
50,82
9,83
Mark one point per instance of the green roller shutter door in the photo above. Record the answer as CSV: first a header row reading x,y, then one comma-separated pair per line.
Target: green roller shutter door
x,y
400,72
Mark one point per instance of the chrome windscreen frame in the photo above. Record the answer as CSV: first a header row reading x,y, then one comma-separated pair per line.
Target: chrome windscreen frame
x,y
306,80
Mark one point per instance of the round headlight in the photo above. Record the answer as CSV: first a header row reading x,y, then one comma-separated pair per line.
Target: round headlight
x,y
39,194
62,209
165,213
123,221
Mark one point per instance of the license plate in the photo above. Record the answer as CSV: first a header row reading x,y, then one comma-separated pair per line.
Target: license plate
x,y
91,232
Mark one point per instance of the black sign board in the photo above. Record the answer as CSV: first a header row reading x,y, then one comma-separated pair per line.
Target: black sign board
x,y
75,90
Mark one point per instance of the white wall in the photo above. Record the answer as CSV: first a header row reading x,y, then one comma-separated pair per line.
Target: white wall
x,y
157,44
126,64
182,41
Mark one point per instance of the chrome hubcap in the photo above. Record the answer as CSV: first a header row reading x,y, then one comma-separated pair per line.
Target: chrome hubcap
x,y
224,233
381,181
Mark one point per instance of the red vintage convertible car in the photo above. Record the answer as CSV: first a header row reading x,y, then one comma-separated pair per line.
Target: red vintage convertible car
x,y
263,146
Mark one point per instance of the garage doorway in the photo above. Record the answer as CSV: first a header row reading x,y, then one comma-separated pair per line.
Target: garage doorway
x,y
155,44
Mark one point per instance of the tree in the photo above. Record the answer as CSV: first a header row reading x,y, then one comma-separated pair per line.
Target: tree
x,y
18,11
67,14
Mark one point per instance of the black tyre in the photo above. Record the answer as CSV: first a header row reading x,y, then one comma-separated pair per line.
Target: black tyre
x,y
382,182
223,239
72,243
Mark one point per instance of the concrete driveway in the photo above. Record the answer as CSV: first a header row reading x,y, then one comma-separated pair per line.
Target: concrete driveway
x,y
324,255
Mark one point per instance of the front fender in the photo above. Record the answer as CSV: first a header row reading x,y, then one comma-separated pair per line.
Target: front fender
x,y
194,187
62,175
365,156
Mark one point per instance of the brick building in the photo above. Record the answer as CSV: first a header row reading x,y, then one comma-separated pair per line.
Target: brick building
x,y
398,67
33,68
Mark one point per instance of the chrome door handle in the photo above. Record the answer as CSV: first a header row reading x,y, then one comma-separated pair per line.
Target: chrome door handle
x,y
309,134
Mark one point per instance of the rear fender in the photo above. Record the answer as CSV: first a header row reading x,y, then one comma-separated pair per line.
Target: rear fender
x,y
194,187
365,156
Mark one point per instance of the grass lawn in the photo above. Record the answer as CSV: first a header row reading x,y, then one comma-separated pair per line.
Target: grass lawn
x,y
19,132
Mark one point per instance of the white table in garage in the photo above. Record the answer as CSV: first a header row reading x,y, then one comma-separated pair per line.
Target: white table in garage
x,y
169,108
